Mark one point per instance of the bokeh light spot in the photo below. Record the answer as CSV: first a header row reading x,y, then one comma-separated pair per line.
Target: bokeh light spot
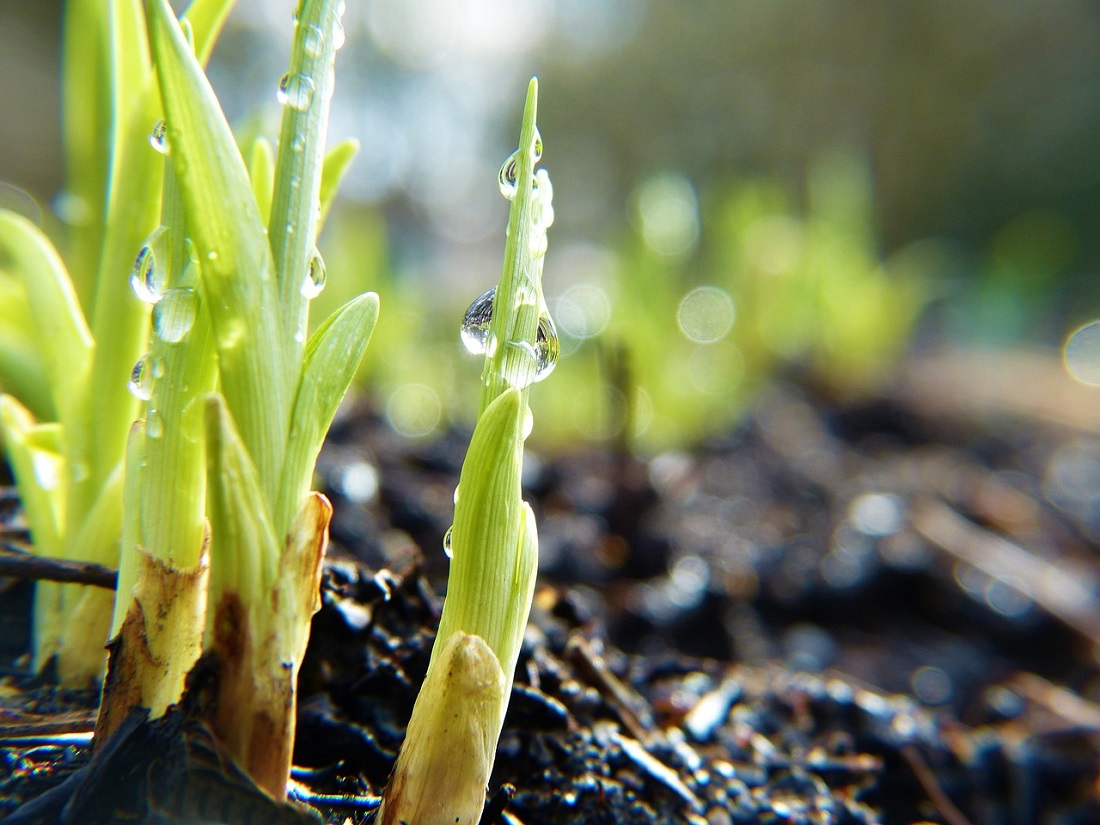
x,y
706,314
1082,354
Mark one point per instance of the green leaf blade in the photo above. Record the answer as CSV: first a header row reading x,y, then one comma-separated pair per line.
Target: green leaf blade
x,y
332,357
258,371
51,298
295,208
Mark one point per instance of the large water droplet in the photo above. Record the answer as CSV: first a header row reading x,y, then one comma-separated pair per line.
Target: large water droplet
x,y
447,541
314,281
150,272
158,138
141,378
547,347
154,424
476,334
477,321
313,41
507,176
174,315
296,91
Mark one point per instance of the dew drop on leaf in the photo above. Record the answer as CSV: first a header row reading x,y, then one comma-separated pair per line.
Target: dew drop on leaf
x,y
476,334
154,424
174,315
296,91
313,42
338,36
507,176
314,281
447,541
547,347
476,323
158,138
141,379
148,276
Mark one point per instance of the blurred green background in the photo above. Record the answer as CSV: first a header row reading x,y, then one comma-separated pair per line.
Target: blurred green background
x,y
741,188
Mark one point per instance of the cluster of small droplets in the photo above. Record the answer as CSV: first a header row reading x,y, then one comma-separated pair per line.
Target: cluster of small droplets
x,y
296,91
158,137
542,213
476,334
314,280
149,275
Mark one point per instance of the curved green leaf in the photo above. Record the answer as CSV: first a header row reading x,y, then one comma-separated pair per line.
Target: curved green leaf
x,y
332,357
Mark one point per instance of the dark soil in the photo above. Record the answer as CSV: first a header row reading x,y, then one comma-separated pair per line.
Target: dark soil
x,y
832,614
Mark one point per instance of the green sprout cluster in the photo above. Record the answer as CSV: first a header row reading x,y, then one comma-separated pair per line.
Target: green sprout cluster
x,y
194,478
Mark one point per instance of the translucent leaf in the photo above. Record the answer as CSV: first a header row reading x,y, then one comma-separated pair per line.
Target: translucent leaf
x,y
332,357
59,324
337,162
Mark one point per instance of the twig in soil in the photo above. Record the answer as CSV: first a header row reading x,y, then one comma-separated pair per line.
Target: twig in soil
x,y
17,564
1058,591
1064,704
630,707
947,809
363,802
495,808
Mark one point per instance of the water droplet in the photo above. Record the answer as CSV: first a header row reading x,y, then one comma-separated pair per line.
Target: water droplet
x,y
338,36
477,321
158,138
547,347
314,281
476,334
174,315
296,91
507,176
313,42
447,541
149,275
141,379
158,367
538,146
542,210
154,424
298,144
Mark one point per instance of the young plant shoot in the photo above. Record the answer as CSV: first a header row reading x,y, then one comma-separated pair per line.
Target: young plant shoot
x,y
239,300
444,765
84,321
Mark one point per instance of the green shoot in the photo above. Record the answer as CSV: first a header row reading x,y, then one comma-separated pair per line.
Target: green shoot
x,y
447,757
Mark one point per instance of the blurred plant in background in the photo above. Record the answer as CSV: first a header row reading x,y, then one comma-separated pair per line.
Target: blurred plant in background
x,y
695,151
